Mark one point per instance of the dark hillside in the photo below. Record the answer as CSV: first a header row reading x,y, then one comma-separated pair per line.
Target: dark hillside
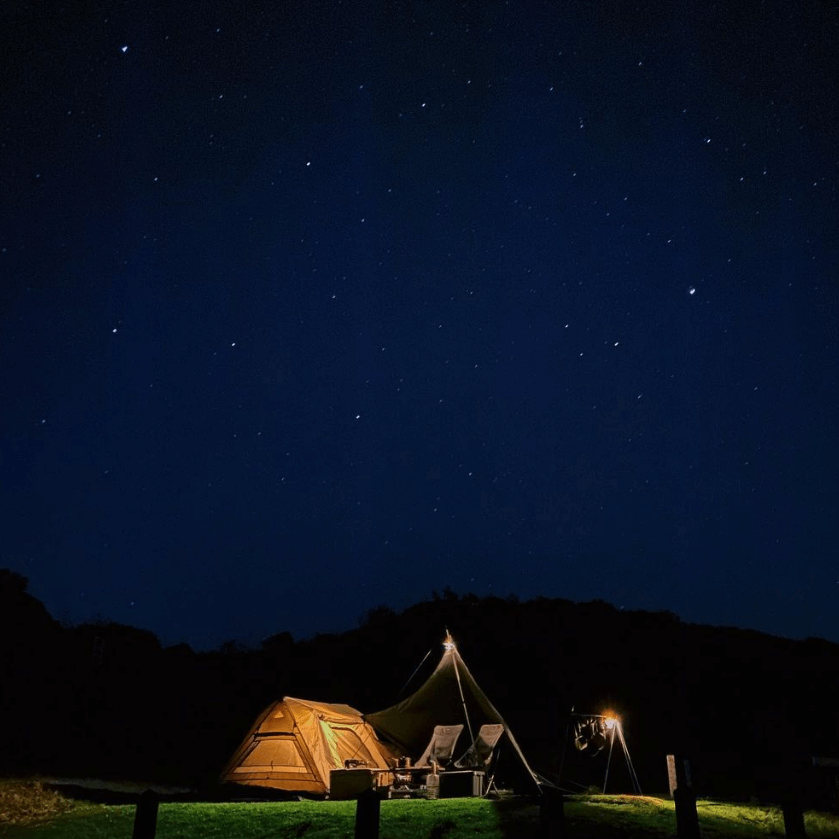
x,y
107,700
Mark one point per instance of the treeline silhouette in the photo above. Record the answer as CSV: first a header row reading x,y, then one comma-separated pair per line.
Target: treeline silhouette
x,y
108,701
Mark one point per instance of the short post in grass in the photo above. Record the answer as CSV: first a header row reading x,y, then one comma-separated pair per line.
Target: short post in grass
x,y
672,781
367,811
792,796
145,816
793,818
551,813
687,820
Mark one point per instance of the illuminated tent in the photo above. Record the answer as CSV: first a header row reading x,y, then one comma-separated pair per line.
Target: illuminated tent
x,y
450,696
294,745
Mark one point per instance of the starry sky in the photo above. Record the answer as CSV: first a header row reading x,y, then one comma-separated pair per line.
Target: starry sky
x,y
311,307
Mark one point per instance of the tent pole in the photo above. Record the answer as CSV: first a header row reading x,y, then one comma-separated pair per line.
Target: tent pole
x,y
463,699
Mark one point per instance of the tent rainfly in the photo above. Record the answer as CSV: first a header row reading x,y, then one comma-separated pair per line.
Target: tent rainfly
x,y
295,743
450,696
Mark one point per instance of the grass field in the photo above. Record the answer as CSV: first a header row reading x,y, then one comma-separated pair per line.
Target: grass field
x,y
30,810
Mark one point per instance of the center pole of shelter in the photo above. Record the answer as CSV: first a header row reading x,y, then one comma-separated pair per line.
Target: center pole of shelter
x,y
450,647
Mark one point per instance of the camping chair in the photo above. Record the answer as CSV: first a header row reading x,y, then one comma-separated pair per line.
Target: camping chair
x,y
479,754
441,747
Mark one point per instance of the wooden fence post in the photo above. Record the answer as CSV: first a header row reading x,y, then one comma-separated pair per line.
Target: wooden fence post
x,y
551,813
145,816
793,818
367,811
687,820
672,781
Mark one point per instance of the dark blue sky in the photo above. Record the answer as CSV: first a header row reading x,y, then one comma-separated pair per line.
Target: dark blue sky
x,y
310,307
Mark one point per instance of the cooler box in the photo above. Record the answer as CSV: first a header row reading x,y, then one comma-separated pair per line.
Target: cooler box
x,y
466,784
350,783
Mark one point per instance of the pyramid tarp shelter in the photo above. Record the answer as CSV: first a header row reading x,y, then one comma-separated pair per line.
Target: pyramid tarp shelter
x,y
294,745
450,696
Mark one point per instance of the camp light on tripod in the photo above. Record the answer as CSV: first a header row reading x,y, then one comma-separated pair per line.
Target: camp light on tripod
x,y
594,733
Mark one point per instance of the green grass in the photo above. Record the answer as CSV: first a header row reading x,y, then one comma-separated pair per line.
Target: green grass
x,y
30,811
655,817
25,802
620,815
454,819
720,819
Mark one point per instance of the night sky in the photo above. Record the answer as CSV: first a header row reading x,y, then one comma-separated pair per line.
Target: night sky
x,y
310,307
